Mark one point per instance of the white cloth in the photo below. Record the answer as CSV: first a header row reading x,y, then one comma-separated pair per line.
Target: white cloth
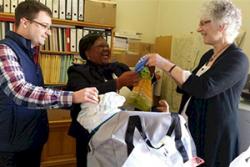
x,y
243,160
92,115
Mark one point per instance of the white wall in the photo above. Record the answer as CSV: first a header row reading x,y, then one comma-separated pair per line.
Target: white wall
x,y
137,16
177,17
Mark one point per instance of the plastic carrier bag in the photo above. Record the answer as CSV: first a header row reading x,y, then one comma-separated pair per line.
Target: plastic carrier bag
x,y
243,160
116,139
92,115
141,96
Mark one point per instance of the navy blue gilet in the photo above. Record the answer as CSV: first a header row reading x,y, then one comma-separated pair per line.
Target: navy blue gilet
x,y
22,128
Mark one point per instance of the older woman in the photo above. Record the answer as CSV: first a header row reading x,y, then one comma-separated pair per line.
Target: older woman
x,y
211,92
97,72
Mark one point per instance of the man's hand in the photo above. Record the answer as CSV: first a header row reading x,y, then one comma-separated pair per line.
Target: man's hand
x,y
86,95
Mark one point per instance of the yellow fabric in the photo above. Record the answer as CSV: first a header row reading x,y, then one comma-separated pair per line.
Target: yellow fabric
x,y
142,94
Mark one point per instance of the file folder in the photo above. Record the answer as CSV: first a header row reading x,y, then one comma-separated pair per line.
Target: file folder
x,y
74,9
55,6
68,9
6,7
62,9
73,40
49,4
80,10
67,36
13,6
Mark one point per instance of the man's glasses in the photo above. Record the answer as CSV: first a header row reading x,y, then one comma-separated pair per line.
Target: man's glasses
x,y
45,26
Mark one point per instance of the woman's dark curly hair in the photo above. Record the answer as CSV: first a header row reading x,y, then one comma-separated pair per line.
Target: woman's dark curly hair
x,y
86,42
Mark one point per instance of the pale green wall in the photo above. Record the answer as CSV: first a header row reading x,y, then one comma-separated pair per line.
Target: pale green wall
x,y
169,17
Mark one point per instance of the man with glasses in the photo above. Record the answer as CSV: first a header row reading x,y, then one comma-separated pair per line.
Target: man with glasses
x,y
23,118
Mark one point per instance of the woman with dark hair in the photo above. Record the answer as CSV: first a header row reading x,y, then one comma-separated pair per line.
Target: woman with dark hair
x,y
97,72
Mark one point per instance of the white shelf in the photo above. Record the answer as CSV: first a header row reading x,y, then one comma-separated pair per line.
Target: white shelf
x,y
244,105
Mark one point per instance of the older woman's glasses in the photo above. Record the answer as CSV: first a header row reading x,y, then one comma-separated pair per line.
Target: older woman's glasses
x,y
44,25
204,22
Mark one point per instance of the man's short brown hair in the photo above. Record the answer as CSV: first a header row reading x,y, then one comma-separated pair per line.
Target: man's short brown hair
x,y
29,9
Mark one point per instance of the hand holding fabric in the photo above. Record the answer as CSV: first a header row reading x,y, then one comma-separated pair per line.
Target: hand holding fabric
x,y
93,115
154,59
86,95
141,64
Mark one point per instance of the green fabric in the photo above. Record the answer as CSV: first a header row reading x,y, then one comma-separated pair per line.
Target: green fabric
x,y
141,96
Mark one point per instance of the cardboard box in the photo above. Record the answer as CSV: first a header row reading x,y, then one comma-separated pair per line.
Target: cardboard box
x,y
163,46
100,11
126,58
141,48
